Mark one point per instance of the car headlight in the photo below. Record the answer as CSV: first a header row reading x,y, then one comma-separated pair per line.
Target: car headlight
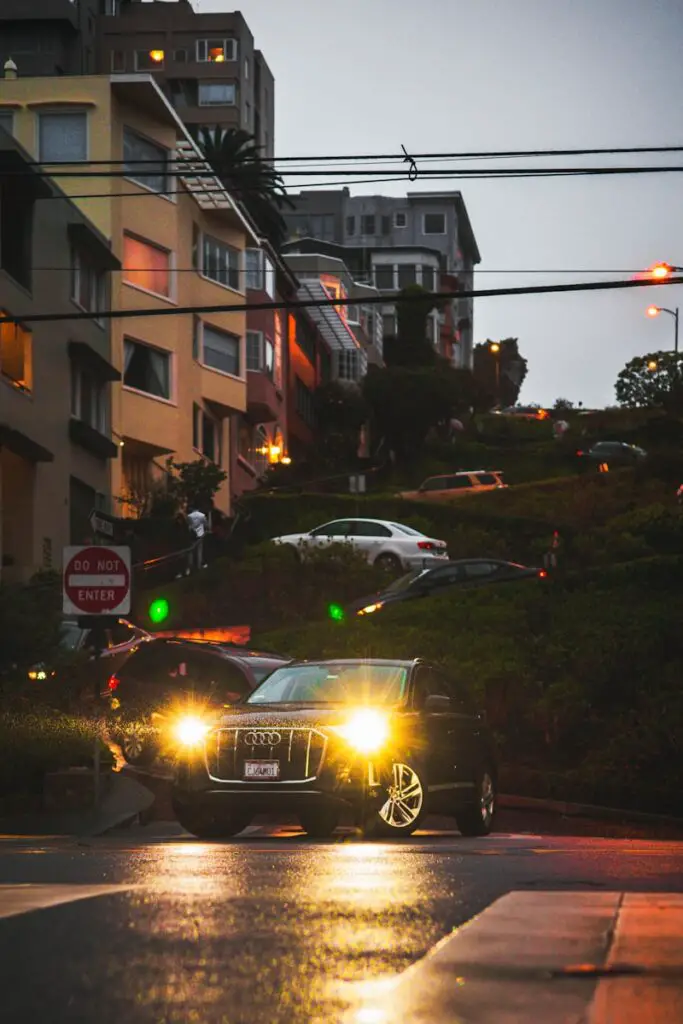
x,y
190,730
366,731
370,608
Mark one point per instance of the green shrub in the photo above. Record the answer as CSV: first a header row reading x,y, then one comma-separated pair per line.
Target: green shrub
x,y
30,617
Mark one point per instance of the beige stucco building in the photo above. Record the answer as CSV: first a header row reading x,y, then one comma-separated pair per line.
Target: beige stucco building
x,y
180,240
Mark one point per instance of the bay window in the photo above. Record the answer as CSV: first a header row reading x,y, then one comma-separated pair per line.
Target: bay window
x,y
217,349
147,369
220,262
147,266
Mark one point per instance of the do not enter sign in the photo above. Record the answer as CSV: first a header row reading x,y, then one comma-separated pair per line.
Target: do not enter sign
x,y
96,581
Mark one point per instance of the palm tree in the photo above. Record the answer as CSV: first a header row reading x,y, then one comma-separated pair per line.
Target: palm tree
x,y
253,181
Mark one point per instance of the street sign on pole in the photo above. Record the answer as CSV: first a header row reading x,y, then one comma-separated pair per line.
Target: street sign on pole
x,y
96,580
102,524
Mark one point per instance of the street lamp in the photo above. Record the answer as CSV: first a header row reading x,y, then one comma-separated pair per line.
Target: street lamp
x,y
652,365
495,349
654,311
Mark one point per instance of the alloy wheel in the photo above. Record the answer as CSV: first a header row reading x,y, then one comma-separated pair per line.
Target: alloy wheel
x,y
405,797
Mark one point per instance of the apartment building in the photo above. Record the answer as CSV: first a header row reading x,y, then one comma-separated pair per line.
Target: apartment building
x,y
56,378
180,240
50,37
398,241
206,64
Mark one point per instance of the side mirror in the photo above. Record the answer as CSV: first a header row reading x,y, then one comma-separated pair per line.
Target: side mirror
x,y
437,703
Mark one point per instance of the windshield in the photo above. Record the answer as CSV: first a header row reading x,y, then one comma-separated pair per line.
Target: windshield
x,y
327,683
403,582
261,669
70,636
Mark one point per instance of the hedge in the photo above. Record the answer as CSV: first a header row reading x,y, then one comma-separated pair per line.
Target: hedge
x,y
577,676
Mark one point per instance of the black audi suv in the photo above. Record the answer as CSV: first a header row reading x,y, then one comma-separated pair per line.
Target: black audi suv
x,y
389,741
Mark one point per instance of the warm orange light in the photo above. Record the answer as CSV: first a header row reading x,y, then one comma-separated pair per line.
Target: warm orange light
x,y
217,55
660,271
494,346
652,364
285,460
156,55
653,310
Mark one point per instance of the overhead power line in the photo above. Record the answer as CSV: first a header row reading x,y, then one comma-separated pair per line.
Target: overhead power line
x,y
392,299
503,154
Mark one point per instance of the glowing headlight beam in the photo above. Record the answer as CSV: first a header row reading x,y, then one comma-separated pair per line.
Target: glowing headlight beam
x,y
190,731
366,731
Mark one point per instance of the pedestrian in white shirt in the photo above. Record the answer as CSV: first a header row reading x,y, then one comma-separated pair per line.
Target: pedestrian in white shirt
x,y
197,522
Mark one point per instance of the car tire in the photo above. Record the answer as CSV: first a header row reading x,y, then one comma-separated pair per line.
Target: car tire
x,y
477,819
389,562
137,748
319,824
205,825
408,782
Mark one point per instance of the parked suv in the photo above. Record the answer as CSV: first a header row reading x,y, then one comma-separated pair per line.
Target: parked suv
x,y
616,453
447,488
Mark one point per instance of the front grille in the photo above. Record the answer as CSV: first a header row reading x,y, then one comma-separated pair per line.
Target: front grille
x,y
300,752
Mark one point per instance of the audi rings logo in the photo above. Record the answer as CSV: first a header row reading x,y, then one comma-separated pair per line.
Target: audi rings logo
x,y
262,739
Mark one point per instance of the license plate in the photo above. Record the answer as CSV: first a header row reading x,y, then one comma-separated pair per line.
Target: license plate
x,y
262,769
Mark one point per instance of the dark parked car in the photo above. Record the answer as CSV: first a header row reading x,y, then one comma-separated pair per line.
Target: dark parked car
x,y
388,740
172,679
464,572
120,640
616,453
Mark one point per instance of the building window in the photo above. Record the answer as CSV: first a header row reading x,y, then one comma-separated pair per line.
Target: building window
x,y
118,61
247,115
216,51
219,349
400,219
147,369
434,224
305,402
388,325
145,162
367,224
254,350
88,399
384,277
348,365
246,67
63,137
111,8
254,269
88,285
353,314
7,121
221,263
407,274
428,278
350,225
206,435
147,266
16,362
277,349
217,94
149,60
305,338
386,225
180,56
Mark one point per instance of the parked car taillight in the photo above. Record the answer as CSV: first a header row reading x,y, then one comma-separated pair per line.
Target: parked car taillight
x,y
426,545
113,683
542,573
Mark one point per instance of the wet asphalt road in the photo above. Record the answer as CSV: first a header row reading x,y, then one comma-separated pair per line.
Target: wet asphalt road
x,y
268,928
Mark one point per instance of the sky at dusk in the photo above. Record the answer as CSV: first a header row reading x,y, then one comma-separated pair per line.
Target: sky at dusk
x,y
365,76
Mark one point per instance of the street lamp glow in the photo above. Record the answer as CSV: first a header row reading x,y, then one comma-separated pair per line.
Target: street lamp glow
x,y
661,270
653,311
652,365
494,347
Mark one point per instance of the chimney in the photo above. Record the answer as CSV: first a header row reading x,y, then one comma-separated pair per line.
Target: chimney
x,y
10,69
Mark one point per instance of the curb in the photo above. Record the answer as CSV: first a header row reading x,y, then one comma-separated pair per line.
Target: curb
x,y
573,810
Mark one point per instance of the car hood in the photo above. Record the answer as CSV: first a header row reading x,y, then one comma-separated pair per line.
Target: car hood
x,y
377,598
286,716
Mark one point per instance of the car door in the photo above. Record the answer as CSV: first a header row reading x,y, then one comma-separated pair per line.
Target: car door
x,y
331,533
438,734
437,581
479,571
370,538
458,485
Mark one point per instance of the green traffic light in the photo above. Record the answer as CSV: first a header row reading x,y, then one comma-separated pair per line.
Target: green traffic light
x,y
336,612
158,610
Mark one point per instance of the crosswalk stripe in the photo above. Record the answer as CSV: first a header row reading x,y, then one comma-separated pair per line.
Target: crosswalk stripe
x,y
22,899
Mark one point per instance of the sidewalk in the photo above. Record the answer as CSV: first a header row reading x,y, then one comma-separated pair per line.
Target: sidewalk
x,y
550,958
125,800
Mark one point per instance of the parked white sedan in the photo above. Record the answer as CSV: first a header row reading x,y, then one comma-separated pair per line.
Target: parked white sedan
x,y
389,545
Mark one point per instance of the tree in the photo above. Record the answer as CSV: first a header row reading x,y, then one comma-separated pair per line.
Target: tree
x,y
513,369
195,482
411,345
652,381
341,411
236,158
406,403
563,405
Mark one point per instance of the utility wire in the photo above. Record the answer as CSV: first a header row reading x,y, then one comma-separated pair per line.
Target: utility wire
x,y
391,299
352,271
373,157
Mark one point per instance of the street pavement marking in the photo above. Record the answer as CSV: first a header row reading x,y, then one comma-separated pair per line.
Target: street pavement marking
x,y
600,957
21,899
